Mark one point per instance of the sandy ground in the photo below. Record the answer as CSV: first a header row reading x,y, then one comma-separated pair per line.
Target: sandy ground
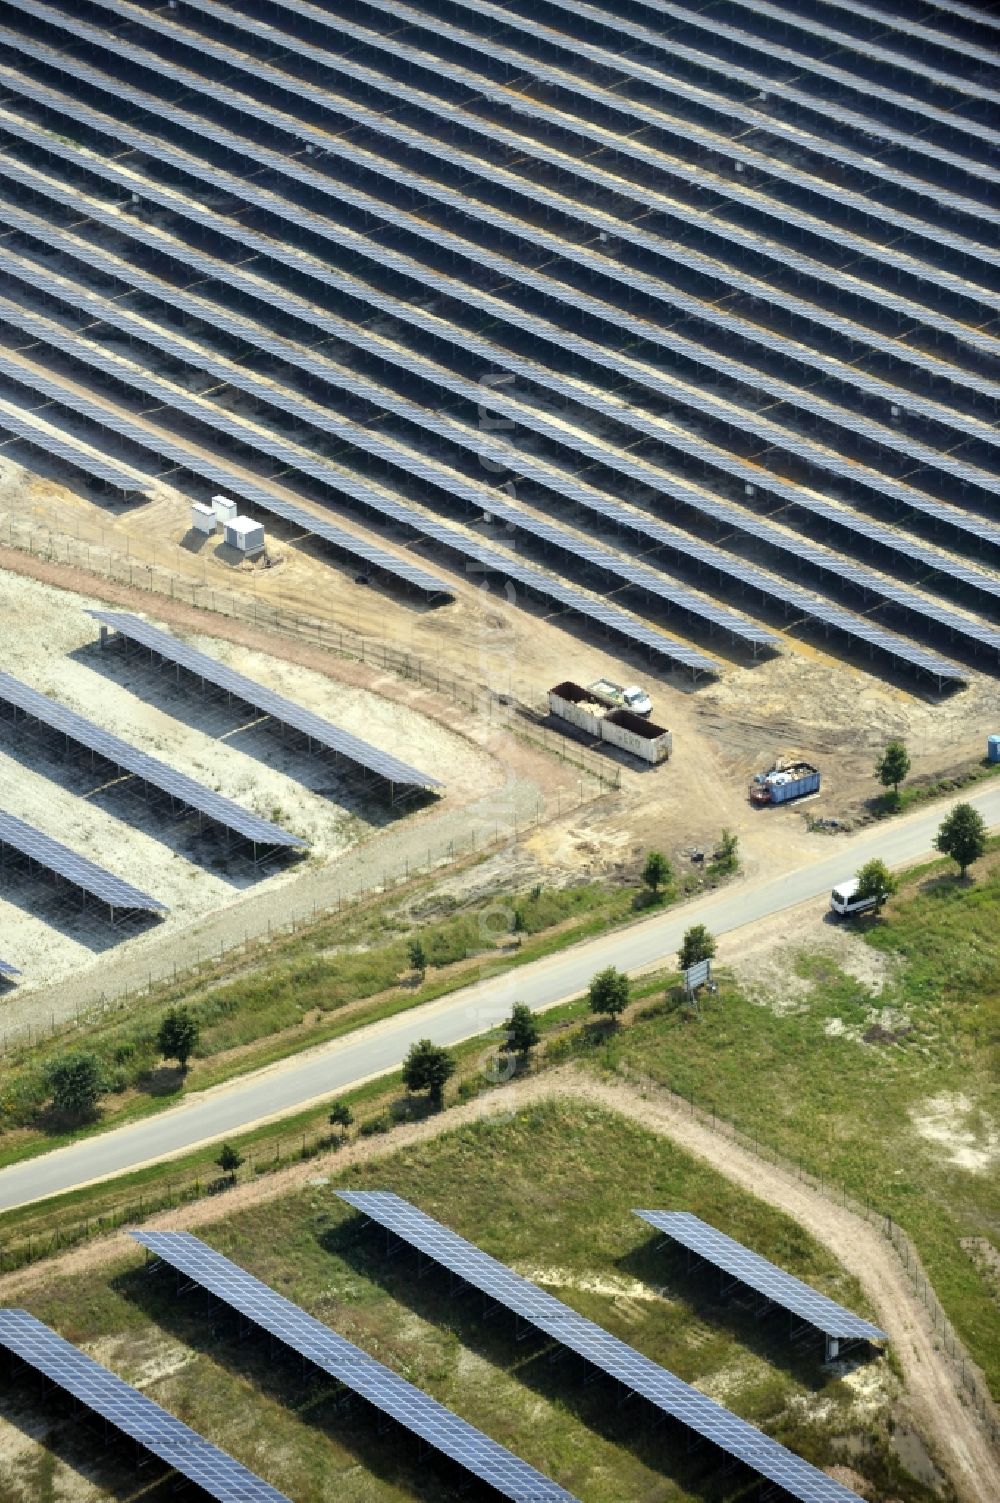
x,y
48,640
941,1419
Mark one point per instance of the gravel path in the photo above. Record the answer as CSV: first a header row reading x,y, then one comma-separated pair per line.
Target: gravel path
x,y
946,1424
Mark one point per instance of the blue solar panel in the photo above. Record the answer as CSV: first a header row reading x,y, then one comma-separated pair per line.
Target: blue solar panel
x,y
525,415
73,868
727,70
131,1412
732,113
777,1286
889,22
484,1458
485,559
829,616
803,65
719,145
340,191
736,416
868,48
282,710
590,1341
27,427
156,774
6,969
441,283
526,64
751,377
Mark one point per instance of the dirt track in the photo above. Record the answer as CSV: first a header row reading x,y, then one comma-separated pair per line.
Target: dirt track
x,y
948,1427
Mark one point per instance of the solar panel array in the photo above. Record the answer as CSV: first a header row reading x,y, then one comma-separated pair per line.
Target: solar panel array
x,y
608,1353
131,1412
176,785
282,710
302,1333
689,394
72,867
727,291
777,1286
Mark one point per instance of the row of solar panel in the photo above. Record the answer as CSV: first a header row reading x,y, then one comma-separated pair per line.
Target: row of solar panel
x,y
585,496
86,876
751,378
303,1334
803,449
813,31
398,355
818,111
8,971
610,1355
184,791
727,116
687,134
194,458
644,579
281,710
144,1421
625,571
830,616
663,247
758,1273
713,31
522,60
214,315
592,174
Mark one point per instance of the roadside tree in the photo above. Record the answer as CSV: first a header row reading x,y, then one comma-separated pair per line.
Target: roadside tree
x,y
609,992
875,880
428,1067
230,1160
77,1084
523,1031
178,1036
698,944
962,836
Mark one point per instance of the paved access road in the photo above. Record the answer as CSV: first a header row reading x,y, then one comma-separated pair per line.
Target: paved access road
x,y
323,1072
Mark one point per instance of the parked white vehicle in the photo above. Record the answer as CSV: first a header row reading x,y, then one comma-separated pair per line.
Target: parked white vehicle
x,y
844,900
633,697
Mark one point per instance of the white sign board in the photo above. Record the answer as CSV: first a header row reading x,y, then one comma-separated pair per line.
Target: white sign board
x,y
696,975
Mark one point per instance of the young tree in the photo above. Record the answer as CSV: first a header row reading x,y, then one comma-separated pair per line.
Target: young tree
x,y
656,872
178,1036
418,957
609,992
892,766
341,1115
230,1159
962,836
727,857
523,1031
875,880
517,924
428,1067
77,1084
698,944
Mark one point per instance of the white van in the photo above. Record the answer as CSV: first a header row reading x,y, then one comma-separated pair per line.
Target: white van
x,y
844,903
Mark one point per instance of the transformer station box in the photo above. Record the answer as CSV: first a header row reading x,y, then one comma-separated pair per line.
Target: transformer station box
x,y
225,510
245,534
202,518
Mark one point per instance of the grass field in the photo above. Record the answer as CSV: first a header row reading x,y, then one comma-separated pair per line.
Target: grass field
x,y
549,1190
895,1095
